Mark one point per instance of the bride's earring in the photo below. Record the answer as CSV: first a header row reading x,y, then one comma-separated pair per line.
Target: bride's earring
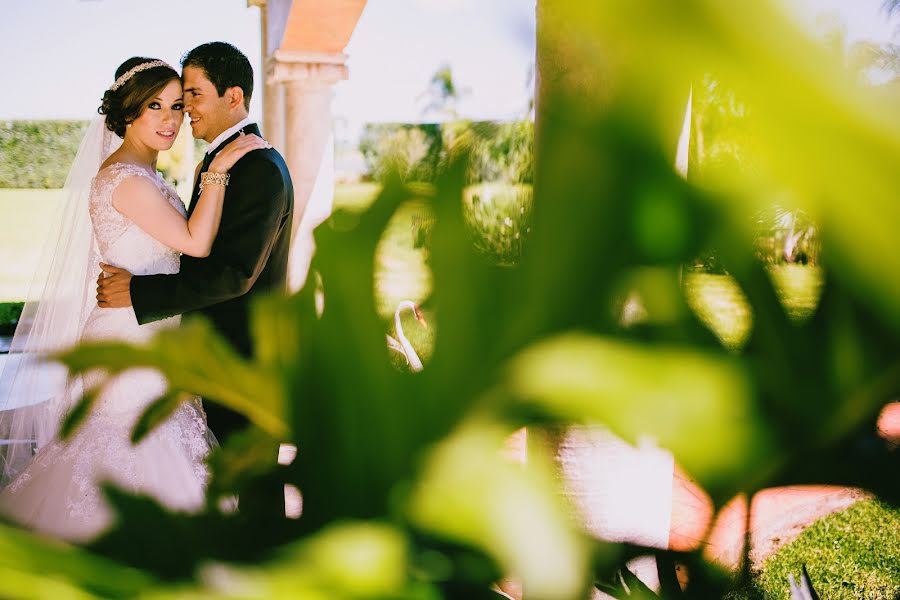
x,y
128,125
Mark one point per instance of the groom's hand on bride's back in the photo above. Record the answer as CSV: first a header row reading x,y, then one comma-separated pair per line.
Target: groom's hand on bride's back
x,y
113,287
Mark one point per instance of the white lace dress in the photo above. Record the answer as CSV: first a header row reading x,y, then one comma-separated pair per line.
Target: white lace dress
x,y
58,492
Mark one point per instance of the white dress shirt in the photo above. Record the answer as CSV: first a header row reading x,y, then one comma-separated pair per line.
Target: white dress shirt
x,y
228,133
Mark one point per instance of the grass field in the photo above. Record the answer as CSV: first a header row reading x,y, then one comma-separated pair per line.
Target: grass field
x,y
355,197
26,214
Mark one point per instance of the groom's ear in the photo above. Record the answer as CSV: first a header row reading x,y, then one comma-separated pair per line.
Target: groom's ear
x,y
235,97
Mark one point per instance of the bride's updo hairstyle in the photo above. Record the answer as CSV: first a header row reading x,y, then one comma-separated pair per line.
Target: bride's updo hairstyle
x,y
125,100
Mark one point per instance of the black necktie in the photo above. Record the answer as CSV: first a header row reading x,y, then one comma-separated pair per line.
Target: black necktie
x,y
206,161
203,169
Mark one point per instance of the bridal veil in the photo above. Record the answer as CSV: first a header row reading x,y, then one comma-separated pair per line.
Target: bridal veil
x,y
35,391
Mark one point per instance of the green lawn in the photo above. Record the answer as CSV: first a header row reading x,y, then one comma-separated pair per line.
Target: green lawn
x,y
26,215
355,197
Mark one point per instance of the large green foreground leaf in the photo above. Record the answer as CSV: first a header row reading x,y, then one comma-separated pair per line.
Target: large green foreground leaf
x,y
196,360
31,567
510,512
697,404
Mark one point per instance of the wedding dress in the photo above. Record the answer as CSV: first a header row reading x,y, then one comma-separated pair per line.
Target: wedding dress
x,y
58,493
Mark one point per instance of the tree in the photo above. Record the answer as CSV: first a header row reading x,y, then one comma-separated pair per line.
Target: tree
x,y
442,94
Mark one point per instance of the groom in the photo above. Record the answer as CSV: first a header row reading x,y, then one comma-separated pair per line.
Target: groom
x,y
250,254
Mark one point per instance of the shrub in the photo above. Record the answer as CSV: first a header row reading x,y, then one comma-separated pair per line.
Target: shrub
x,y
9,316
504,152
786,236
499,216
498,151
37,154
412,151
851,554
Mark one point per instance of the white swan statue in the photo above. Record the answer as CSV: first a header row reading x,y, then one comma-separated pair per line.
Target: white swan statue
x,y
403,346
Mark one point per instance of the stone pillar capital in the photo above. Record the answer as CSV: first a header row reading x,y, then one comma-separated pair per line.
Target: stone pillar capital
x,y
306,69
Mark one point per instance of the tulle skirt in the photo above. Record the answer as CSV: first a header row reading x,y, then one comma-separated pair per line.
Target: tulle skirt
x,y
59,492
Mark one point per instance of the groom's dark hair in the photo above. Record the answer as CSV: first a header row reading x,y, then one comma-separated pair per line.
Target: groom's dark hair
x,y
225,66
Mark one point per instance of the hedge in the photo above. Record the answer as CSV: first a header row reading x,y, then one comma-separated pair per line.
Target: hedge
x,y
37,154
9,316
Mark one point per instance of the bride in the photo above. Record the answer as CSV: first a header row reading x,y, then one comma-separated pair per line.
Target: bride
x,y
118,211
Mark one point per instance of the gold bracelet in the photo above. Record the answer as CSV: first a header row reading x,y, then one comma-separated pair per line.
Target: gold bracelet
x,y
214,179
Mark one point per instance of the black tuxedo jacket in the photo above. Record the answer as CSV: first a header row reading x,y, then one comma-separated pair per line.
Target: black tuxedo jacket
x,y
249,256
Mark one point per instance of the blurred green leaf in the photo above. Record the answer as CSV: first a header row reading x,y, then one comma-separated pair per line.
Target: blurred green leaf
x,y
843,147
155,414
221,375
696,404
346,561
246,456
470,493
78,412
24,586
33,567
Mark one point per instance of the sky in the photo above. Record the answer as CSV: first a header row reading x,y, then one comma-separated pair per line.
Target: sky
x,y
62,53
399,44
864,19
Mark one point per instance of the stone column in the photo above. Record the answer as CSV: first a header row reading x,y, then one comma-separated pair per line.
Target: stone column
x,y
273,114
264,54
272,91
308,145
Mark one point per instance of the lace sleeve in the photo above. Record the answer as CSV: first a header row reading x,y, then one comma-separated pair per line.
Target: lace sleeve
x,y
109,224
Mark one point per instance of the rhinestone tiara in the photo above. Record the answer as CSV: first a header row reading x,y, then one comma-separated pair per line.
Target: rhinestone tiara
x,y
137,69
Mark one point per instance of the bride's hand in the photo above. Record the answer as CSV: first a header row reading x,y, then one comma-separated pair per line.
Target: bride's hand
x,y
235,150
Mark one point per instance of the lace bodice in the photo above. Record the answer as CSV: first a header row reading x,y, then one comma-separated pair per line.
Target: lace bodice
x,y
120,241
